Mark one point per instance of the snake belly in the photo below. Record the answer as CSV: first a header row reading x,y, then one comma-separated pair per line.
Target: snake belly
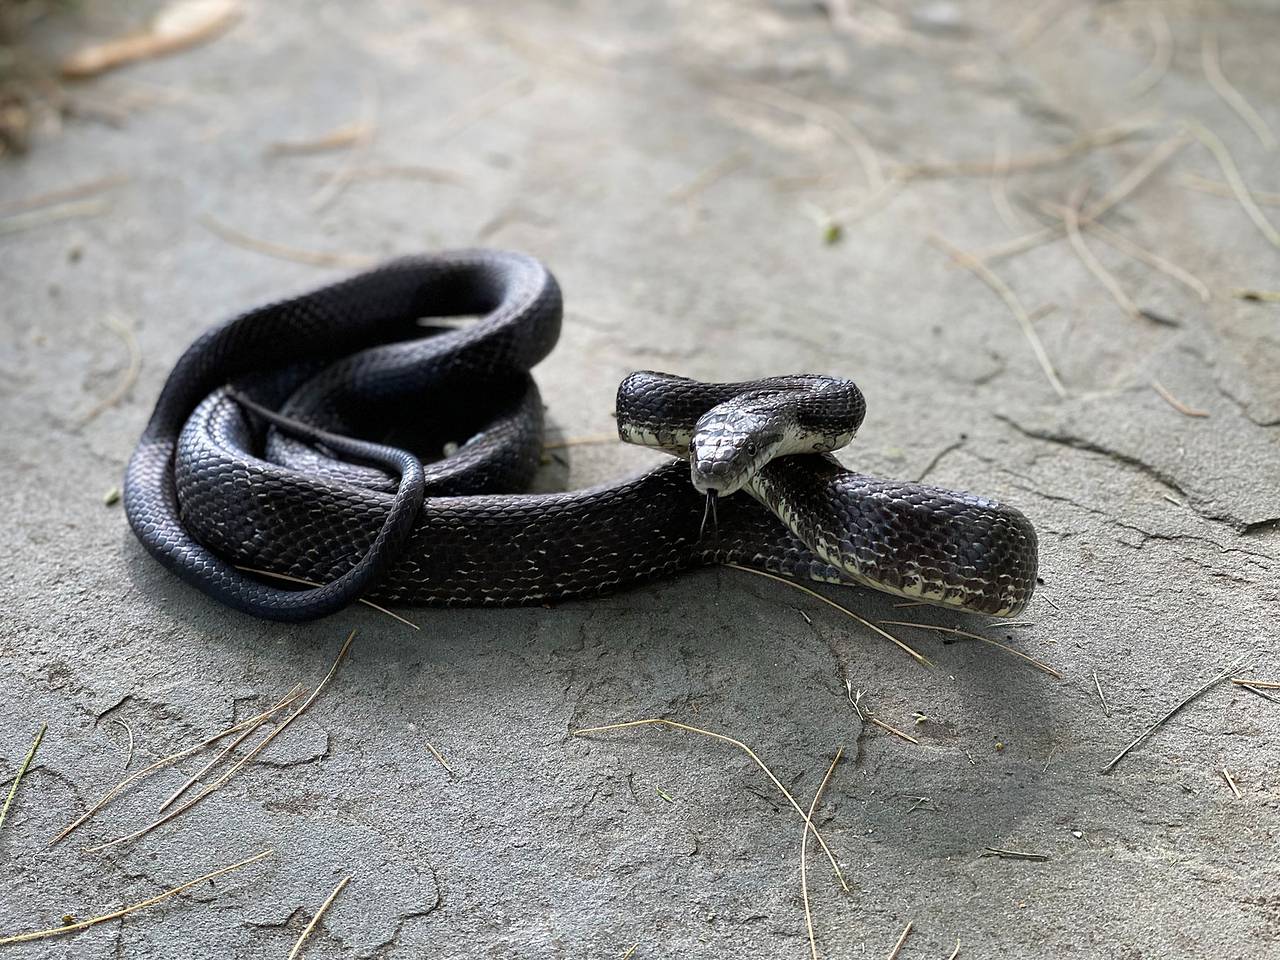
x,y
212,489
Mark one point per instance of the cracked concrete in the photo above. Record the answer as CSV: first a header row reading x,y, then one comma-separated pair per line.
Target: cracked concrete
x,y
645,153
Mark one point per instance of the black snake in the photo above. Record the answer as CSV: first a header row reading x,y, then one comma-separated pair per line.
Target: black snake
x,y
249,461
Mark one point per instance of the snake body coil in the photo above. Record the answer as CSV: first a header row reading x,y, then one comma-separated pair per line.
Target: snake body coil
x,y
265,473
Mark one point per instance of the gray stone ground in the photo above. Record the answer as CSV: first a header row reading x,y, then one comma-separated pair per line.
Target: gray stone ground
x,y
671,162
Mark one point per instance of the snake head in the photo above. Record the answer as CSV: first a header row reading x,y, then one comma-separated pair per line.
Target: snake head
x,y
729,447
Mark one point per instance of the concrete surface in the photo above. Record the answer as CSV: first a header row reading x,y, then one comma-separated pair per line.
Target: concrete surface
x,y
644,152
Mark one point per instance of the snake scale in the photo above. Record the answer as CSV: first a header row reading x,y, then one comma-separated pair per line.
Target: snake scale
x,y
250,460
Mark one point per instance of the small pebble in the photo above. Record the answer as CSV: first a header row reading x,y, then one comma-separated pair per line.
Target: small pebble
x,y
1077,834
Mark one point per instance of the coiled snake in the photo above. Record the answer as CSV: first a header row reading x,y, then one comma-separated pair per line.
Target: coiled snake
x,y
249,461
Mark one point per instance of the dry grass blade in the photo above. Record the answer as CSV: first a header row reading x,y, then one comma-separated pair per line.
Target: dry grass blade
x,y
1027,161
240,764
918,657
39,218
346,135
170,760
984,273
225,752
659,721
22,771
181,24
1127,184
1235,181
1226,775
1178,706
128,730
897,947
130,376
1097,685
297,947
125,911
311,583
711,175
65,195
1174,402
1257,296
1071,220
312,258
440,757
1220,189
804,857
830,119
956,952
977,636
1161,56
1168,267
1222,87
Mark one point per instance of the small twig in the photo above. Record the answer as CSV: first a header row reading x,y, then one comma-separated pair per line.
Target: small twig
x,y
1174,402
1235,181
26,762
659,721
1014,855
130,377
440,757
985,274
977,636
312,583
1161,56
1181,703
280,251
1097,685
297,947
918,657
804,856
1223,88
115,915
1226,775
240,764
128,757
897,947
1260,684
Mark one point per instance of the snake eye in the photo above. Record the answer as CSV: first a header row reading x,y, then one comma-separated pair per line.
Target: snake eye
x,y
750,448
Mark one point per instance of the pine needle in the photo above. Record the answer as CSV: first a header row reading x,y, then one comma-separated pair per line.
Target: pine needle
x,y
125,911
918,657
897,947
1223,88
170,760
240,764
1161,56
297,947
804,857
1174,402
1178,706
280,251
977,636
22,770
659,721
979,269
1232,174
312,583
